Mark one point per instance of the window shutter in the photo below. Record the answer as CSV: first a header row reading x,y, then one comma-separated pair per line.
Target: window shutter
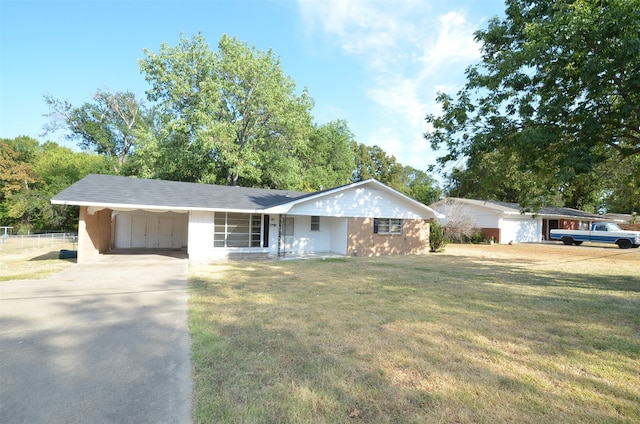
x,y
375,225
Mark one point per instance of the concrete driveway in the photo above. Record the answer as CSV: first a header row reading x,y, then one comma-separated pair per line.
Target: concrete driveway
x,y
103,342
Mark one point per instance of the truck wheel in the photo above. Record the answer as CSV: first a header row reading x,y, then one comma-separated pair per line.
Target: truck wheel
x,y
624,244
577,243
568,241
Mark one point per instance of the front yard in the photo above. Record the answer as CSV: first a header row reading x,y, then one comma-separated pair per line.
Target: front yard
x,y
33,262
525,333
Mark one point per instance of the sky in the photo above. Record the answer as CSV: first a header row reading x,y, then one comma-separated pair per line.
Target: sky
x,y
377,64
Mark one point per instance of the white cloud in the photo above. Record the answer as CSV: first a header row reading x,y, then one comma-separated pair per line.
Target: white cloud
x,y
399,96
454,43
411,49
359,26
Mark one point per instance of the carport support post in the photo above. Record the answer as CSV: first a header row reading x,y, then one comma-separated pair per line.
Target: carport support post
x,y
94,233
281,232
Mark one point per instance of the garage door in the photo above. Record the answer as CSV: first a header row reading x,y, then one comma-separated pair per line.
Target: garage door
x,y
149,230
521,231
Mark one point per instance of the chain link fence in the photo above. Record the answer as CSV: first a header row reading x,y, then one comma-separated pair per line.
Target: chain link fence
x,y
20,243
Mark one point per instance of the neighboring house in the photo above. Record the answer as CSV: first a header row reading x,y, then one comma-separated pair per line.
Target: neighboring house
x,y
625,221
506,223
209,221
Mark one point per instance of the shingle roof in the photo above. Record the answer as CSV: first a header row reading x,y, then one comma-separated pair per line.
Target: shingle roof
x,y
568,212
515,208
109,190
548,210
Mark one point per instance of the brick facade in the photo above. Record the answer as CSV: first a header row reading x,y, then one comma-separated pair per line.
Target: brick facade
x,y
489,233
569,224
94,233
364,242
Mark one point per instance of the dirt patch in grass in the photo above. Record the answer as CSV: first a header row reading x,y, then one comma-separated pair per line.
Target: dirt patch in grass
x,y
524,333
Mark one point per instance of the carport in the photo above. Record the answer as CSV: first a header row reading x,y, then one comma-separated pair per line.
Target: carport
x,y
103,229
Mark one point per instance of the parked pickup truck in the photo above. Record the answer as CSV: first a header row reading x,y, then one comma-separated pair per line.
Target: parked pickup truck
x,y
601,232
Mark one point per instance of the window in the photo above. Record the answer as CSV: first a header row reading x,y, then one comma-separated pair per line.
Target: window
x,y
601,227
387,226
237,230
315,223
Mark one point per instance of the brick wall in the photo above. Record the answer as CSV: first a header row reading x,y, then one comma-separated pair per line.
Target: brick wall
x,y
488,233
569,224
94,233
363,242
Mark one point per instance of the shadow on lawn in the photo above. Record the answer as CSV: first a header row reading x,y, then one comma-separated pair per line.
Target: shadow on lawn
x,y
50,256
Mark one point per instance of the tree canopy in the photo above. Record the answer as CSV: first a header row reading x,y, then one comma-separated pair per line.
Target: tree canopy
x,y
233,109
224,116
31,173
557,88
108,125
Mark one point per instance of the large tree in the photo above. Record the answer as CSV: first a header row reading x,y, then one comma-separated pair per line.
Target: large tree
x,y
420,186
558,85
30,174
374,162
232,115
109,125
16,165
328,158
622,185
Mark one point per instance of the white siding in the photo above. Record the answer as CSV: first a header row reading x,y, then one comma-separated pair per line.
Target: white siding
x,y
332,236
311,241
200,235
339,227
361,202
482,217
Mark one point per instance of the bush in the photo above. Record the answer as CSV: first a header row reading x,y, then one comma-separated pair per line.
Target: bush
x,y
460,226
437,239
475,238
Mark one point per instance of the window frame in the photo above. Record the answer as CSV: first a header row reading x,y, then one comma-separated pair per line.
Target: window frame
x,y
315,224
390,226
226,232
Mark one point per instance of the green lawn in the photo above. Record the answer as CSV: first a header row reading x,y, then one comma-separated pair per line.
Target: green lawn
x,y
527,334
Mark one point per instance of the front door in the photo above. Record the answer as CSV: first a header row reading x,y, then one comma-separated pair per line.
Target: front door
x,y
554,224
288,233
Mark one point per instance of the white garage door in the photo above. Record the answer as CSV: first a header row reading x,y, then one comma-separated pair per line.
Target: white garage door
x,y
150,230
521,231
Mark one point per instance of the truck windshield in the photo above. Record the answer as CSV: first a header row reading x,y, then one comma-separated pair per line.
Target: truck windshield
x,y
606,226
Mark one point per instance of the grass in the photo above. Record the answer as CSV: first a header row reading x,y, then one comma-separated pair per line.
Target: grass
x,y
531,334
33,263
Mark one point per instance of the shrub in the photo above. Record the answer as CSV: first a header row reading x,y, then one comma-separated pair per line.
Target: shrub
x,y
475,238
437,239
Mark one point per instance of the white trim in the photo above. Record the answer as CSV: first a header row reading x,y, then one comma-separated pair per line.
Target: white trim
x,y
151,208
